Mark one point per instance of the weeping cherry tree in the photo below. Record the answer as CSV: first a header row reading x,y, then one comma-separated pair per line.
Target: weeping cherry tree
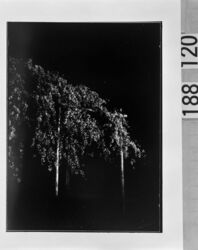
x,y
67,121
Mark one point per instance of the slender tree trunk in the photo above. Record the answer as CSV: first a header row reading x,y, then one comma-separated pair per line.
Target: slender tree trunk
x,y
122,181
57,157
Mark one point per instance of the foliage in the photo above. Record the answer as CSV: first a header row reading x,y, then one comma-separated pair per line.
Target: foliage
x,y
76,117
120,138
17,116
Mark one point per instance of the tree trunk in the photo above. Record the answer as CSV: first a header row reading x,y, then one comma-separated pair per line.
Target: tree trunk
x,y
122,181
57,166
57,157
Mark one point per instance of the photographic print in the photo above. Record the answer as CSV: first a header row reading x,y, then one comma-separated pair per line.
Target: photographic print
x,y
84,126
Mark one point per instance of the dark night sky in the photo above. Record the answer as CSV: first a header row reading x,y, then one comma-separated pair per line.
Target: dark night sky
x,y
121,61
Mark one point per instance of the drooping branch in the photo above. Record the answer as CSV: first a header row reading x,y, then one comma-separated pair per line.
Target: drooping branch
x,y
67,120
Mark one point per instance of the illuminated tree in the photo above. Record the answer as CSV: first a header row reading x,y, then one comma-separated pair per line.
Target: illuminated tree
x,y
67,121
122,144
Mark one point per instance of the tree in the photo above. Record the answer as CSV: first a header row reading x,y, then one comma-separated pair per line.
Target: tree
x,y
64,127
123,144
68,121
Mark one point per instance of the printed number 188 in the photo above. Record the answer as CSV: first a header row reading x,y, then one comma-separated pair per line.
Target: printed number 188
x,y
189,98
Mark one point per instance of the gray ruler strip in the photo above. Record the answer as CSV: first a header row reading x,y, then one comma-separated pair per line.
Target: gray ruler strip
x,y
189,21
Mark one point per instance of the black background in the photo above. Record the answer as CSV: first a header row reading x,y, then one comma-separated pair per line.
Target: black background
x,y
122,62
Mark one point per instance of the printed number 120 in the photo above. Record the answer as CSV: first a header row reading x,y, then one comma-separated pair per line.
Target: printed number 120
x,y
189,51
